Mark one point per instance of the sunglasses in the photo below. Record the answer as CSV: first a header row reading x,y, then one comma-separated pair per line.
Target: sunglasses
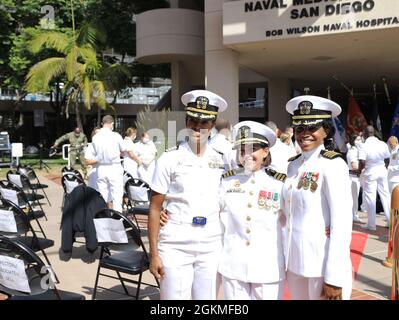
x,y
310,128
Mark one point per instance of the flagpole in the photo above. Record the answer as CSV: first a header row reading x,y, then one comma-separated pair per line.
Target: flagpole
x,y
350,91
329,93
384,80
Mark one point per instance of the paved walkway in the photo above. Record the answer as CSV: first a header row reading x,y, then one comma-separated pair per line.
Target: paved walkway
x,y
77,274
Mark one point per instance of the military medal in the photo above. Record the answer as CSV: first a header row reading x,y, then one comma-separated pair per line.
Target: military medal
x,y
305,183
300,182
269,201
275,201
237,183
313,184
262,199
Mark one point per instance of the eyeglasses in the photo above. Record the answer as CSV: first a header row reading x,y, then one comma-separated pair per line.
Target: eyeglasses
x,y
303,128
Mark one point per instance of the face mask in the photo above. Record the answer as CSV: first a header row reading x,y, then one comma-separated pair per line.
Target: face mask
x,y
358,142
146,140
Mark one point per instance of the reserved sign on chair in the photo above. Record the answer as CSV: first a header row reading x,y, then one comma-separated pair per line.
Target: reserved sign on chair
x,y
13,275
110,230
7,221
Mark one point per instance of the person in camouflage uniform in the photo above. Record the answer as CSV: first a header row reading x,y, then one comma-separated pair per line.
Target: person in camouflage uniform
x,y
78,141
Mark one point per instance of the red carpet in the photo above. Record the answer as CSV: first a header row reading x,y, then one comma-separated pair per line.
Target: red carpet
x,y
357,246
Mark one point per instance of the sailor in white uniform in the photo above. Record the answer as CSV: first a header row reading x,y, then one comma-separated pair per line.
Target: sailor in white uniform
x,y
108,146
252,259
185,252
318,207
374,159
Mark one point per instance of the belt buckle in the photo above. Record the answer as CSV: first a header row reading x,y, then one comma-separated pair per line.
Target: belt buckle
x,y
199,221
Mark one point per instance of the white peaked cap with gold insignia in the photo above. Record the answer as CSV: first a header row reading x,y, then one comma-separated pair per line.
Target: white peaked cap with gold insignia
x,y
308,110
203,104
251,132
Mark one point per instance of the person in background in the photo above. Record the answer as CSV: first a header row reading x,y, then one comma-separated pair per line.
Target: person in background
x,y
352,158
317,204
280,152
221,141
108,147
78,141
130,159
146,152
90,160
374,159
393,167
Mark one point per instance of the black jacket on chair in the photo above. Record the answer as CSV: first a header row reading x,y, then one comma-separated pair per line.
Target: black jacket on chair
x,y
77,216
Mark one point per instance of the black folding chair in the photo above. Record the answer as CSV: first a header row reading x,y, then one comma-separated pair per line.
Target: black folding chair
x,y
131,258
70,181
22,203
24,183
65,170
33,179
38,275
23,228
138,194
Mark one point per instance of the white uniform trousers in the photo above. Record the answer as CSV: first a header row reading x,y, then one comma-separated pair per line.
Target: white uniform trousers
x,y
190,255
239,290
370,194
355,187
110,184
304,288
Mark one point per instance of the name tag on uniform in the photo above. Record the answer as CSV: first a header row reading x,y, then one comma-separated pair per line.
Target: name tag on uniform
x,y
199,221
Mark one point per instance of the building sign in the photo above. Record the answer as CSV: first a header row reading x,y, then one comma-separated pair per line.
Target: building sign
x,y
249,21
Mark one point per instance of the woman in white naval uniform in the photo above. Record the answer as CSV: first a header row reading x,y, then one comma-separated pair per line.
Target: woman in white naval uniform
x,y
318,206
130,158
252,259
184,253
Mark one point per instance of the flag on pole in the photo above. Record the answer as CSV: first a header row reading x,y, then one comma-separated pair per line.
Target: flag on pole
x,y
356,122
375,116
395,122
340,135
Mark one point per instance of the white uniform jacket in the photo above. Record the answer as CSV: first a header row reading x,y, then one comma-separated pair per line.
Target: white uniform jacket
x,y
317,195
393,168
252,242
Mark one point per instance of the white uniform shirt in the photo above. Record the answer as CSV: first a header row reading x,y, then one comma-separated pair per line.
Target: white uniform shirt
x,y
393,168
129,164
310,253
280,153
108,146
92,176
146,151
252,245
220,143
352,156
373,152
191,183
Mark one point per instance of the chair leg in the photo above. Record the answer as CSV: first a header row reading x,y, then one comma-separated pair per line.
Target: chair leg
x,y
49,203
41,229
93,297
48,262
138,286
123,284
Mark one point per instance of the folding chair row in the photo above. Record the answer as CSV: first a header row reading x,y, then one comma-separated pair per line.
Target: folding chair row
x,y
33,179
18,226
13,193
34,277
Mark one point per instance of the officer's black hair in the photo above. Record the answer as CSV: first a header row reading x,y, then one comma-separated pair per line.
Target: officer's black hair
x,y
352,139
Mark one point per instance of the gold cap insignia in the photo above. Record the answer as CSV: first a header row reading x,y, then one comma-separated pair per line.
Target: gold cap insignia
x,y
202,102
305,107
243,132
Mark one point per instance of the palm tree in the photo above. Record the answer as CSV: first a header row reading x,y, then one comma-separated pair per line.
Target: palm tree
x,y
77,62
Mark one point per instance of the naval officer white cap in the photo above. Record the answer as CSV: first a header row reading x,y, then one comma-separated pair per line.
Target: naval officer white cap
x,y
203,104
310,110
251,132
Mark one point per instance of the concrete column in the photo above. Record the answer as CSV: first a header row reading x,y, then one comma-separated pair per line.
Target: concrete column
x,y
279,94
178,87
174,3
221,64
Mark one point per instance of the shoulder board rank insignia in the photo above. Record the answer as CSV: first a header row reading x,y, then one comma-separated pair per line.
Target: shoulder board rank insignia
x,y
277,175
232,172
294,157
172,148
330,154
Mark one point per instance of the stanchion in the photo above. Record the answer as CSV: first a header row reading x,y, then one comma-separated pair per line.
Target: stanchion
x,y
394,235
388,260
